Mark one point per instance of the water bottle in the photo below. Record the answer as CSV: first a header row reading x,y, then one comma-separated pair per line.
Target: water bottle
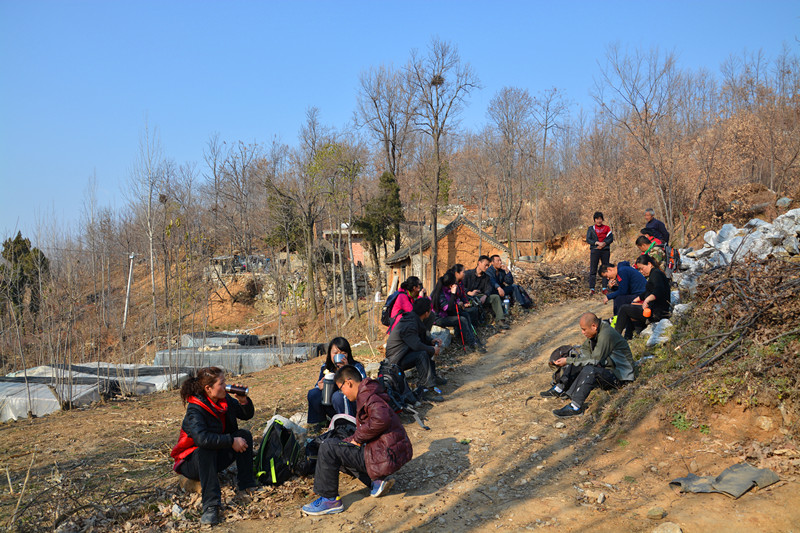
x,y
235,389
506,305
328,387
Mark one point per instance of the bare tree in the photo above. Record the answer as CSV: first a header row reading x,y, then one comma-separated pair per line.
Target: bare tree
x,y
305,190
387,105
442,83
143,187
511,111
645,102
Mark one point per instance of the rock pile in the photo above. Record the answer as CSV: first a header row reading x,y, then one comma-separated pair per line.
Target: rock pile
x,y
758,239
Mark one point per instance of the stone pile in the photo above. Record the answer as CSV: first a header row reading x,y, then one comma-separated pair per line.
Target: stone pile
x,y
757,239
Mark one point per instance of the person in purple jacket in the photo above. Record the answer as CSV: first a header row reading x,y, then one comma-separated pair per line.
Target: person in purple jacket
x,y
629,283
450,304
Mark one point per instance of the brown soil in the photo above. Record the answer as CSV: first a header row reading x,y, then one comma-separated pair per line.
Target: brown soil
x,y
489,461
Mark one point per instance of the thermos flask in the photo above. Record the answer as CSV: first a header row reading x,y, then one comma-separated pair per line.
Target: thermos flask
x,y
328,386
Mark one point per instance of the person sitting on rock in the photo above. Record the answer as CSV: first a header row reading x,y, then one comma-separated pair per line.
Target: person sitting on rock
x,y
628,283
654,301
410,290
210,438
502,279
475,312
479,288
605,361
450,305
409,346
339,354
378,448
649,246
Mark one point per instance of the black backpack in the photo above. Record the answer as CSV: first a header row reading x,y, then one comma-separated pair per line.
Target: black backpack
x,y
341,427
386,311
401,397
278,455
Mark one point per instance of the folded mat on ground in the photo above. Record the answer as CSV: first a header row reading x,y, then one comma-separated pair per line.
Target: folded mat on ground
x,y
733,481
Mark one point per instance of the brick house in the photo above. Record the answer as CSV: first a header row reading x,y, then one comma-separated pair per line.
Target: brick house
x,y
460,241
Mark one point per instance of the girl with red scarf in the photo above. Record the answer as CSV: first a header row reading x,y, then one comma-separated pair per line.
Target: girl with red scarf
x,y
210,438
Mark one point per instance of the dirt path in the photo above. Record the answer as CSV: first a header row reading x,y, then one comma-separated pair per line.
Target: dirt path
x,y
490,462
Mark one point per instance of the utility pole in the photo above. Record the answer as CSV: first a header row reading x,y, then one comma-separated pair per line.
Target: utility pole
x,y
128,294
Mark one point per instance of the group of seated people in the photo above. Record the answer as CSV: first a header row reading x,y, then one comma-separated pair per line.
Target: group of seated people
x,y
461,299
210,439
641,292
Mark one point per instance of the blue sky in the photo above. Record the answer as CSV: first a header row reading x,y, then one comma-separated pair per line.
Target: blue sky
x,y
78,80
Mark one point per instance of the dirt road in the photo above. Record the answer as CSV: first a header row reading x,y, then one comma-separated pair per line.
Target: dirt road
x,y
490,462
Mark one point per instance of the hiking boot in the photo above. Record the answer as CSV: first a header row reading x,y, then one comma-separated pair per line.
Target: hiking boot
x,y
381,487
210,516
503,324
591,292
567,411
605,291
322,506
479,348
440,381
552,393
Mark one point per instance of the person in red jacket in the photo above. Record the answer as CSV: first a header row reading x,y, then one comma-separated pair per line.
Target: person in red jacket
x,y
378,448
210,438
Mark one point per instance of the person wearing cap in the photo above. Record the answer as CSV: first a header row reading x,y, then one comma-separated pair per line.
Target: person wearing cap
x,y
339,355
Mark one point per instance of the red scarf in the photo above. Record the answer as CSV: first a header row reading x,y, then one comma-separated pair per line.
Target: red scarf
x,y
186,445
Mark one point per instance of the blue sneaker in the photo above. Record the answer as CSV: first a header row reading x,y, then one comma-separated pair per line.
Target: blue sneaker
x,y
381,487
322,506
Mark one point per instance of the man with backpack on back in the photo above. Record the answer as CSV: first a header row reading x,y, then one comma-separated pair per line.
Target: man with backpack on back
x,y
378,448
409,346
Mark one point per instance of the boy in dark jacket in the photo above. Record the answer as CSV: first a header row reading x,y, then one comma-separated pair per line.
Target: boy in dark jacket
x,y
378,448
599,238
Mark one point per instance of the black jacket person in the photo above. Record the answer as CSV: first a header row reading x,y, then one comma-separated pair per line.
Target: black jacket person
x,y
408,344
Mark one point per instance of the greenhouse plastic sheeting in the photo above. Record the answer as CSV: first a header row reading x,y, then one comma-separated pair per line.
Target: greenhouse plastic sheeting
x,y
217,338
237,359
50,386
14,397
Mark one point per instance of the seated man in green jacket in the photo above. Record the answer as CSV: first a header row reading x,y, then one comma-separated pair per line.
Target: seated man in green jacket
x,y
605,361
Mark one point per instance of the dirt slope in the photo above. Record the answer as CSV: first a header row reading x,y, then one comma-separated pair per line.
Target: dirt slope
x,y
490,462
